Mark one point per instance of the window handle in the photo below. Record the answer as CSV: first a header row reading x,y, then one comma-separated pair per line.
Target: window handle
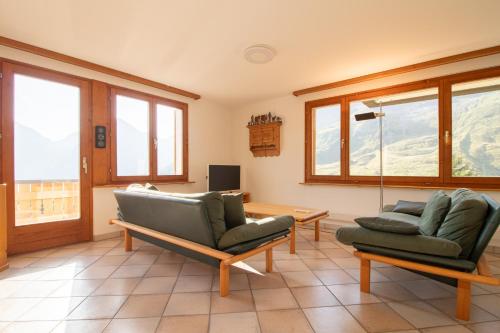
x,y
155,142
447,137
342,143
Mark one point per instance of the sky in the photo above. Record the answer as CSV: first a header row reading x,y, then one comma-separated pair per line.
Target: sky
x,y
50,108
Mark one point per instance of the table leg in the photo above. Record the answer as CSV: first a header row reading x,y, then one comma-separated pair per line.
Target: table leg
x,y
316,230
292,239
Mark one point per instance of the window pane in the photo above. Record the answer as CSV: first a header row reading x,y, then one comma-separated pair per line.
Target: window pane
x,y
326,148
410,134
169,140
476,128
46,151
132,136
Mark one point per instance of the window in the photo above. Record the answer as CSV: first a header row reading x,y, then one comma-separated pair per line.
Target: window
x,y
410,135
476,128
327,140
150,141
441,132
132,136
169,140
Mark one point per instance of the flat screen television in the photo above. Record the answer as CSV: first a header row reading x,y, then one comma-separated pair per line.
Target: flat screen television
x,y
223,177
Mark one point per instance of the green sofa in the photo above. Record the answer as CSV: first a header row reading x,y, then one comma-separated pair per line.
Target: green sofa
x,y
443,239
209,227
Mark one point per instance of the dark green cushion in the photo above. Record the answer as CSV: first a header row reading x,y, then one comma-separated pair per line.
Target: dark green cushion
x,y
400,217
464,220
388,225
255,230
434,213
151,187
234,213
246,246
215,209
411,243
409,207
458,264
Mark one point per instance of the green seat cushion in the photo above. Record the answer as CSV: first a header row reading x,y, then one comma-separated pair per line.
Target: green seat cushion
x,y
434,213
388,225
409,207
255,230
234,213
410,243
464,220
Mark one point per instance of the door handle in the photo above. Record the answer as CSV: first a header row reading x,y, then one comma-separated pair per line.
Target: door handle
x,y
85,165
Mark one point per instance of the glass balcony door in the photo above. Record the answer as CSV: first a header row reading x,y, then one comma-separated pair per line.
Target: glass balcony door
x,y
46,167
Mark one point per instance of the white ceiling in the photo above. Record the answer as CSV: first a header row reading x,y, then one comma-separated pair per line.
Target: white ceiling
x,y
198,45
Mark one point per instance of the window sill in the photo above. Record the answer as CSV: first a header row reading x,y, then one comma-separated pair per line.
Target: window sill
x,y
125,184
479,187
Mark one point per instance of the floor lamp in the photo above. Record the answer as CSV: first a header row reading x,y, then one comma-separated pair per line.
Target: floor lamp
x,y
370,116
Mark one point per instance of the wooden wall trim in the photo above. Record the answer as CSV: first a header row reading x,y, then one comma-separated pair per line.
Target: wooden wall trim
x,y
92,66
405,69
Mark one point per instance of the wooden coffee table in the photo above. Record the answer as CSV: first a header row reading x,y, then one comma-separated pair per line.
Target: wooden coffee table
x,y
301,215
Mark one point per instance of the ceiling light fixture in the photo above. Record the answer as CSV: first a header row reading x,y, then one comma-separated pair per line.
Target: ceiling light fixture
x,y
259,54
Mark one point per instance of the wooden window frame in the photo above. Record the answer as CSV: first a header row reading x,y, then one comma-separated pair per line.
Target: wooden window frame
x,y
444,178
310,140
153,101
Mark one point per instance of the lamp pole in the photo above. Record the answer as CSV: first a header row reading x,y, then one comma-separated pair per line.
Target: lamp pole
x,y
381,147
369,116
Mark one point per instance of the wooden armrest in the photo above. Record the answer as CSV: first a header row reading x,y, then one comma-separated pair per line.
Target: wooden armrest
x,y
430,269
226,257
174,240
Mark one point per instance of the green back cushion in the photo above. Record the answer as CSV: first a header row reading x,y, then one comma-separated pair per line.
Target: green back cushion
x,y
409,207
234,213
151,187
434,213
464,220
213,202
215,209
388,225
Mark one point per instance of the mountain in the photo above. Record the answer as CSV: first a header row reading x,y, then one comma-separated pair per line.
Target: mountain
x,y
39,158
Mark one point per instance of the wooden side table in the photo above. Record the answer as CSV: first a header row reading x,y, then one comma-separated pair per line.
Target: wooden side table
x,y
301,215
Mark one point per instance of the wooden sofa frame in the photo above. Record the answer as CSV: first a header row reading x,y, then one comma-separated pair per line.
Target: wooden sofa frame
x,y
226,259
464,279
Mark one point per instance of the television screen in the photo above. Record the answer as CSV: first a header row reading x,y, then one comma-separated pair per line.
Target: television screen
x,y
223,177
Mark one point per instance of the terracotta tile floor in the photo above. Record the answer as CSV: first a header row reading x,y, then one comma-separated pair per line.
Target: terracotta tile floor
x,y
97,287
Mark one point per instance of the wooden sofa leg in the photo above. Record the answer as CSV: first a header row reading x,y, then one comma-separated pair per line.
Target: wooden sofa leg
x,y
269,260
128,241
292,239
223,279
365,275
463,300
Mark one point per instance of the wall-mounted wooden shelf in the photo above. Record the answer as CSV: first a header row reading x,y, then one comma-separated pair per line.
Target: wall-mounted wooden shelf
x,y
265,139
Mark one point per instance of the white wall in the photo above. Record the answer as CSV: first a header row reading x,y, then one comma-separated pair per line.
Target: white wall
x,y
276,179
219,135
209,125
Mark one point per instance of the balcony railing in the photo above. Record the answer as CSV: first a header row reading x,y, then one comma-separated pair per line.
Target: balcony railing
x,y
41,201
